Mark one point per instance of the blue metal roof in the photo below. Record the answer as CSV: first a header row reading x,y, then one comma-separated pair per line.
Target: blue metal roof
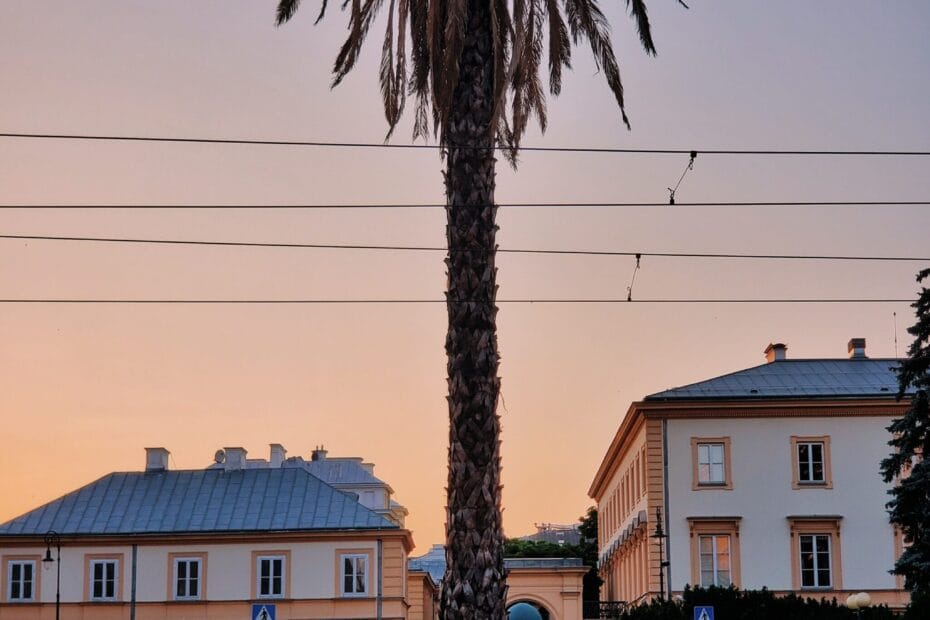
x,y
797,378
199,501
342,471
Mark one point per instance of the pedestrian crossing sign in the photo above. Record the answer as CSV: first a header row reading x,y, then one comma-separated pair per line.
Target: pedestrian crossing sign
x,y
263,611
703,612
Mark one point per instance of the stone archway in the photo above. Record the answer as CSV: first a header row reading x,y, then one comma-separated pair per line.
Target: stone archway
x,y
526,609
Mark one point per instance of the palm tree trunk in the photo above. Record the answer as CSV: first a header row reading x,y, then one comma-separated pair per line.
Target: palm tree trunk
x,y
474,585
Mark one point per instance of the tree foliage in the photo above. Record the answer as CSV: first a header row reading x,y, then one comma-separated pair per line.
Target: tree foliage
x,y
734,604
909,508
521,29
586,549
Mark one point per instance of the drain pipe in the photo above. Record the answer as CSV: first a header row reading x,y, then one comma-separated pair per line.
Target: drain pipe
x,y
132,595
378,600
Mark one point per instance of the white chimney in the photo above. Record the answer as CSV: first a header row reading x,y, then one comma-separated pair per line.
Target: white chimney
x,y
319,454
776,352
156,459
235,459
856,348
277,455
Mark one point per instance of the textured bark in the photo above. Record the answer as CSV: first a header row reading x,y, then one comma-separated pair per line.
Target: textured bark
x,y
474,584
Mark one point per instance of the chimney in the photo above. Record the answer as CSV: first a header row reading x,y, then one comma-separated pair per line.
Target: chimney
x,y
856,348
776,352
235,459
156,459
319,454
277,455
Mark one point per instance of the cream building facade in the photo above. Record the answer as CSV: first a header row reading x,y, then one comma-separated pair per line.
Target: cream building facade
x,y
211,543
767,477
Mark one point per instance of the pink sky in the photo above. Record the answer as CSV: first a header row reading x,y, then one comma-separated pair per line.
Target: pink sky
x,y
84,388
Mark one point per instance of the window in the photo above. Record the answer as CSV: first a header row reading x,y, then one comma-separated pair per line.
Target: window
x,y
810,462
811,457
815,552
354,574
21,581
815,560
715,551
715,560
711,463
270,576
104,580
188,574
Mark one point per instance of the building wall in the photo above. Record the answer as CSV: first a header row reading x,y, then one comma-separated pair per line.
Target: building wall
x,y
423,595
557,589
628,495
312,578
762,462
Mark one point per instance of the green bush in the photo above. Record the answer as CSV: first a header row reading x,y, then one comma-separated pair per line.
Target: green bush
x,y
733,604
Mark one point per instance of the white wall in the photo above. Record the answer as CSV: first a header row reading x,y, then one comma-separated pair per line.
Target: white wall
x,y
763,496
229,569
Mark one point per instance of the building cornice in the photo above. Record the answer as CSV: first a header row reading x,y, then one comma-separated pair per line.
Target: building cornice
x,y
201,538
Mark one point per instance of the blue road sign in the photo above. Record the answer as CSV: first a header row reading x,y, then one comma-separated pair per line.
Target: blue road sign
x,y
263,611
704,612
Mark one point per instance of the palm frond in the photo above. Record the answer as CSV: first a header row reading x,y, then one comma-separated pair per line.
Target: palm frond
x,y
319,17
560,48
502,35
585,20
436,40
360,20
400,72
386,73
420,59
638,12
453,43
286,10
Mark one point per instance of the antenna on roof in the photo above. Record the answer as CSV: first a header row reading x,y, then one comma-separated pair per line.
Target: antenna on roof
x,y
894,318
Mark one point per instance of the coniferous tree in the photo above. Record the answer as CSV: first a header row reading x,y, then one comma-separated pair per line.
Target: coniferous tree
x,y
909,508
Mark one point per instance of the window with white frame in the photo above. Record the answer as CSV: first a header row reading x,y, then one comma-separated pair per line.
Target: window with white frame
x,y
21,575
270,576
354,574
710,457
187,578
715,560
104,580
816,571
811,462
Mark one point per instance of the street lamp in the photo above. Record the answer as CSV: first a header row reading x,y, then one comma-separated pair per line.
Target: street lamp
x,y
858,602
52,539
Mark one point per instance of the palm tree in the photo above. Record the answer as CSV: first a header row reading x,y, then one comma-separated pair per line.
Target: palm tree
x,y
467,57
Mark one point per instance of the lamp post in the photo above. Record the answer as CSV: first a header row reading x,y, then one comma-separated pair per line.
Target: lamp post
x,y
660,536
52,539
858,602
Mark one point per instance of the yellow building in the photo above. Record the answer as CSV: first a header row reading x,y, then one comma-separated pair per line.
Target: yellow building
x,y
552,586
766,477
225,542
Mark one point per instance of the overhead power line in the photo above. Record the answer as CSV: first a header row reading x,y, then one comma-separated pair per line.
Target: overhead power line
x,y
505,205
605,300
423,248
376,145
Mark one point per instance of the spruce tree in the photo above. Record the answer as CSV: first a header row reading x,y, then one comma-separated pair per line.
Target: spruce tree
x,y
909,508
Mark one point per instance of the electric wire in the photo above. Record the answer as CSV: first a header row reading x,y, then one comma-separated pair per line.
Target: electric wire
x,y
602,300
377,145
505,205
426,248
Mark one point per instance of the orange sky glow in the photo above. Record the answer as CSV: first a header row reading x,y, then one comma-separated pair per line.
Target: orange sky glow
x,y
83,388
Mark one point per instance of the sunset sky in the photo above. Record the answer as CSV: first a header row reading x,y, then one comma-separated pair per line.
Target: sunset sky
x,y
83,388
